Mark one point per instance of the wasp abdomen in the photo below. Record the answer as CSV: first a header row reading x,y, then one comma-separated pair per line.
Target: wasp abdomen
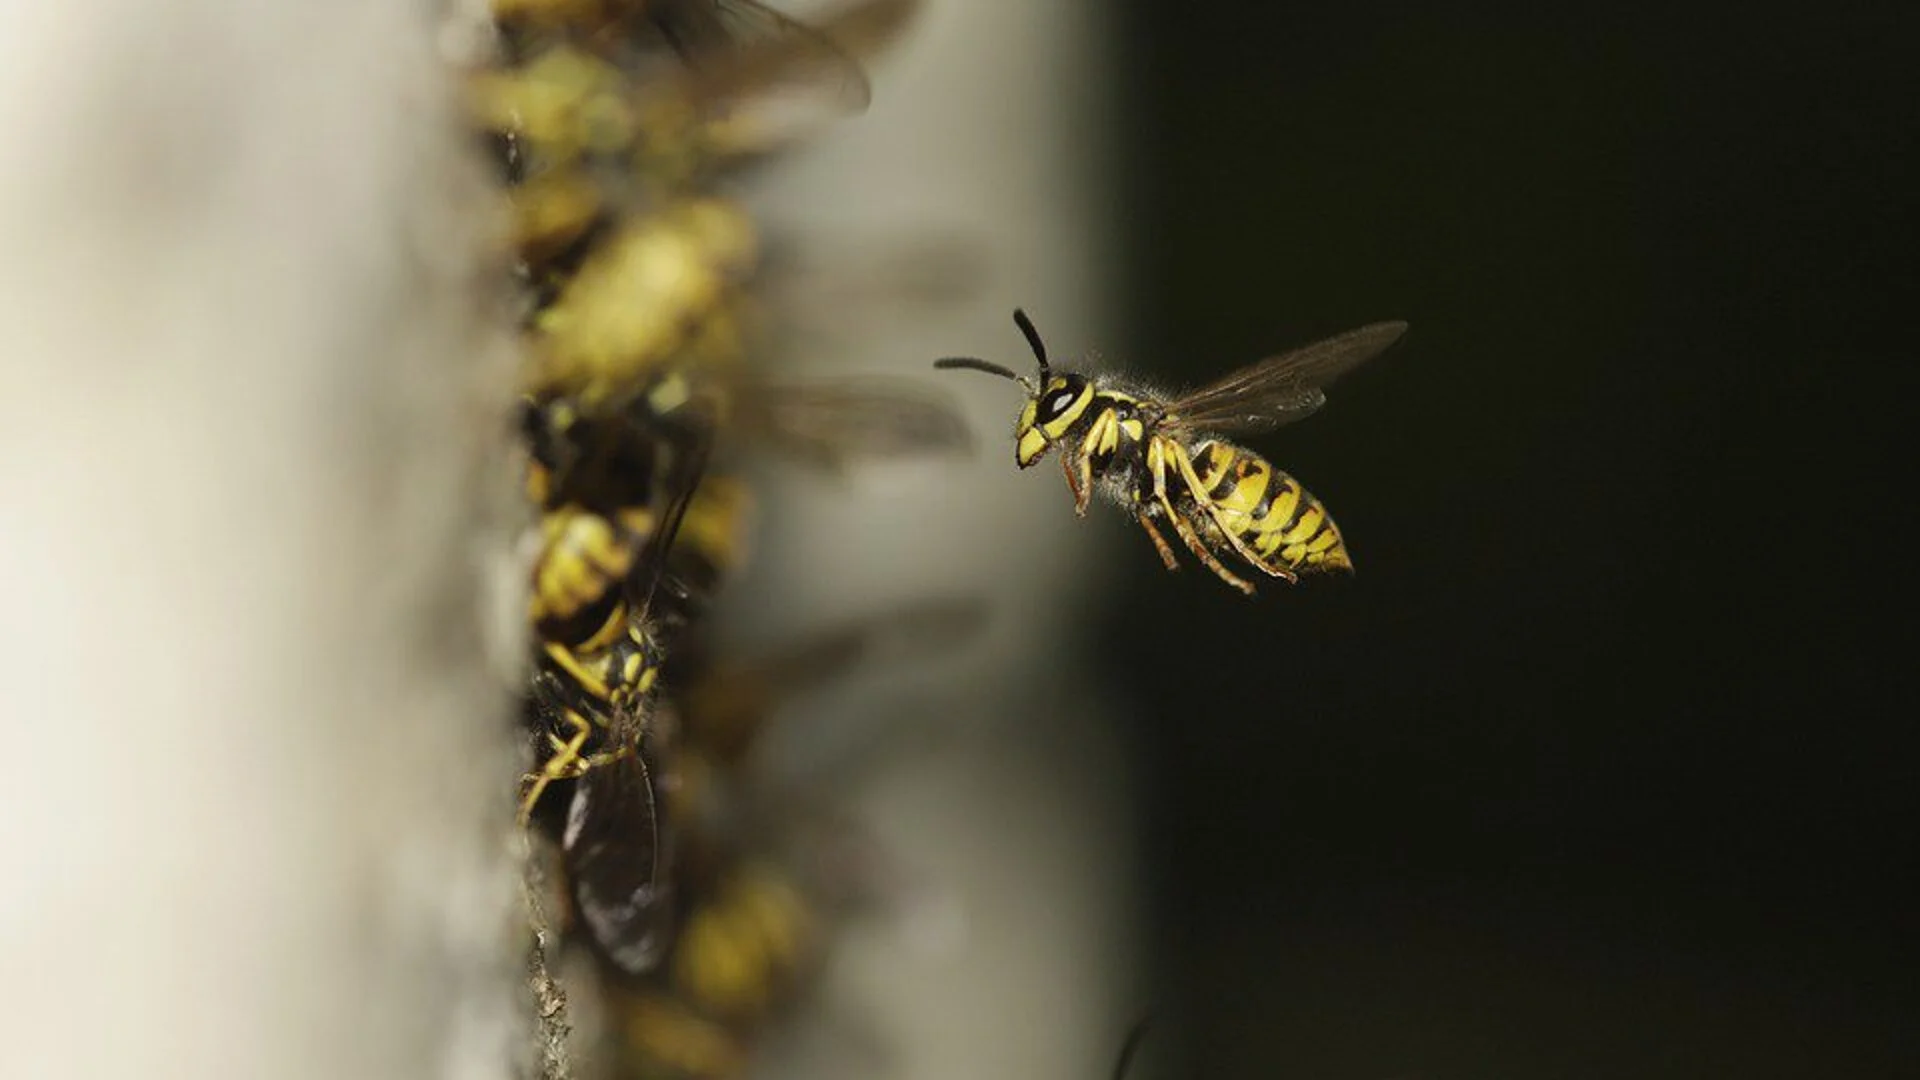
x,y
1267,510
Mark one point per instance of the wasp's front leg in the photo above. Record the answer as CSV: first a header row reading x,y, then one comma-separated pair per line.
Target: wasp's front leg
x,y
1079,479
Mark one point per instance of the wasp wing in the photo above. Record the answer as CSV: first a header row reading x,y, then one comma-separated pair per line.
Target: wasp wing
x,y
742,48
616,859
689,435
1284,388
727,708
836,422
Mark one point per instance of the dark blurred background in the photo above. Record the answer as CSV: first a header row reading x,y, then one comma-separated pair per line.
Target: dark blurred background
x,y
1604,762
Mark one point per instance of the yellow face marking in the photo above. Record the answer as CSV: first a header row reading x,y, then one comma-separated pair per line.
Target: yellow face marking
x,y
1032,445
1029,442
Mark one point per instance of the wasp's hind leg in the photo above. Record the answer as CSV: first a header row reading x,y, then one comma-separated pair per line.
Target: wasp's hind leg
x,y
1157,454
1231,535
1194,544
1204,554
1159,542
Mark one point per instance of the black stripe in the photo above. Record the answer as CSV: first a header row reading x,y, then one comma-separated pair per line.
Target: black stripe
x,y
1300,505
1229,480
1275,480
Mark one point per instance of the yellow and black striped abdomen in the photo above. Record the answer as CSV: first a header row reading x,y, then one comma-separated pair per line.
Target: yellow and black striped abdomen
x,y
1266,510
584,559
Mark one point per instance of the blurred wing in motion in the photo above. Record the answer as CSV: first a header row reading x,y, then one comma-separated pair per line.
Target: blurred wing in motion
x,y
733,702
739,48
838,422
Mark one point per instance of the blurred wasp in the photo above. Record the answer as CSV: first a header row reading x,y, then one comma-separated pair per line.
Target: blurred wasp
x,y
586,141
698,31
1164,458
630,271
763,873
618,578
614,497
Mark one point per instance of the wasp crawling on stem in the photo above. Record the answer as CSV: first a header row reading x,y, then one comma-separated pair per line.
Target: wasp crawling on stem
x,y
1167,459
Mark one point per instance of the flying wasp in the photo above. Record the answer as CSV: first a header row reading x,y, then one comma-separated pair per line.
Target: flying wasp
x,y
1166,459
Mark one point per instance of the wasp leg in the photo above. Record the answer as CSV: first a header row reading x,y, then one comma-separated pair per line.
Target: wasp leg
x,y
564,763
1199,548
1232,536
1193,541
1159,542
1082,493
1157,463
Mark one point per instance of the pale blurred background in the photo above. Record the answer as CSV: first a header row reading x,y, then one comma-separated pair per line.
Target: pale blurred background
x,y
991,128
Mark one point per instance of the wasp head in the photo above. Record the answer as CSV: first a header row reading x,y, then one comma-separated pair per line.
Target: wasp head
x,y
1054,402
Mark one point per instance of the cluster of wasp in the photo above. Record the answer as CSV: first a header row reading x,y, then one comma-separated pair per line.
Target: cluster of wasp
x,y
617,126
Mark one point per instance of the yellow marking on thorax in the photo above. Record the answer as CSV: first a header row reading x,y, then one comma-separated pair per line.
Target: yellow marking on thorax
x,y
1104,436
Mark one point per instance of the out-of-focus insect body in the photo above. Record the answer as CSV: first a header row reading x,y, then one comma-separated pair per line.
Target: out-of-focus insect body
x,y
759,901
664,1037
594,716
609,120
615,498
1164,460
745,944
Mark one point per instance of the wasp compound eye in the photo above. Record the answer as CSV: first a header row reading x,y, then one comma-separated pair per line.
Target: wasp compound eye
x,y
1055,404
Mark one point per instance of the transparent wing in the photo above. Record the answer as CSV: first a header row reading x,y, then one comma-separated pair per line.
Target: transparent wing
x,y
740,47
728,706
615,858
837,422
1284,388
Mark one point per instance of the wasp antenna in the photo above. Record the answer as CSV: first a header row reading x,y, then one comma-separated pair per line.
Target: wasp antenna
x,y
970,363
1033,342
